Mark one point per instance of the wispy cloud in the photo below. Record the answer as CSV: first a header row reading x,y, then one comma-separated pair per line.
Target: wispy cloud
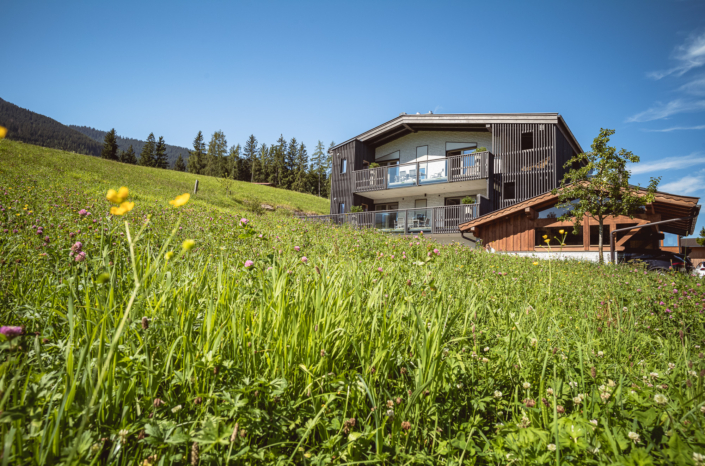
x,y
686,185
675,128
660,110
668,163
694,87
688,55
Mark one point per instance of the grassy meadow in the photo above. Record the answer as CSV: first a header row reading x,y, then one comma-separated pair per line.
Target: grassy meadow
x,y
205,335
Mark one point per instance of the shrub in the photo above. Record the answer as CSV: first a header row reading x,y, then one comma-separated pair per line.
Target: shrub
x,y
253,205
374,165
356,208
468,200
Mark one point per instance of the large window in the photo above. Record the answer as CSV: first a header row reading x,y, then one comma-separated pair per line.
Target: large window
x,y
387,206
555,212
459,200
460,148
670,240
554,234
595,235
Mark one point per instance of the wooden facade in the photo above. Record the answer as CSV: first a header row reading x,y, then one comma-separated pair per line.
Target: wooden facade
x,y
514,229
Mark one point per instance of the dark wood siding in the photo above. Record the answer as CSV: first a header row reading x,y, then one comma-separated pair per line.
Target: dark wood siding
x,y
564,152
531,170
355,153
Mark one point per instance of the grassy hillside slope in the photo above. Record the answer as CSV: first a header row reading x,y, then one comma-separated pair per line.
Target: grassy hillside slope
x,y
194,336
97,175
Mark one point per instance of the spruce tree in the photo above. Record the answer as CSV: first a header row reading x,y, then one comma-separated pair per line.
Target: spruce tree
x,y
147,154
128,156
234,162
328,168
196,159
290,164
300,181
259,164
179,165
217,149
278,156
160,160
318,161
110,146
249,154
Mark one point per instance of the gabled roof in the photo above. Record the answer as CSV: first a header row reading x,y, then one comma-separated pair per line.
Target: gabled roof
x,y
405,124
669,206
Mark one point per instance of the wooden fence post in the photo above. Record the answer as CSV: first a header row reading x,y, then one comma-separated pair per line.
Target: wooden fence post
x,y
195,187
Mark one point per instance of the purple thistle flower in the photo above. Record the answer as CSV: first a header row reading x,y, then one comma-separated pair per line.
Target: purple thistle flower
x,y
11,332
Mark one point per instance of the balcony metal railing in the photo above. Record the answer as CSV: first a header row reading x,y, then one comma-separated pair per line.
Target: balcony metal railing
x,y
429,219
445,170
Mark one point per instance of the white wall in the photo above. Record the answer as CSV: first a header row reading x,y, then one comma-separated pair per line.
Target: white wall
x,y
435,140
432,200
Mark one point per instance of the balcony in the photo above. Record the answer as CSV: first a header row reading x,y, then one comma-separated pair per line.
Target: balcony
x,y
468,167
434,220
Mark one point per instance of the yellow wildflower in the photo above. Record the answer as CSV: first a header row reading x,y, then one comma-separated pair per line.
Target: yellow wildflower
x,y
560,231
188,244
545,236
124,208
180,200
547,241
3,132
536,263
119,196
169,255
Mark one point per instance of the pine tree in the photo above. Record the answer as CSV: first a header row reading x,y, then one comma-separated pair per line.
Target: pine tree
x,y
234,162
179,165
196,159
110,146
249,154
147,154
300,180
128,156
160,160
318,161
217,149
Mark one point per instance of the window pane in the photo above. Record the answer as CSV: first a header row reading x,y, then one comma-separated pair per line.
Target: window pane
x,y
670,240
343,166
421,151
342,208
420,203
595,235
555,212
556,237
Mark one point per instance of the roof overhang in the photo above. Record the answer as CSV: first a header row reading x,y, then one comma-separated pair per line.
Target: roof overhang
x,y
476,122
668,206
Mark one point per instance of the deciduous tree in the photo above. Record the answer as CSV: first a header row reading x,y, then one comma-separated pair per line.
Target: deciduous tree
x,y
597,185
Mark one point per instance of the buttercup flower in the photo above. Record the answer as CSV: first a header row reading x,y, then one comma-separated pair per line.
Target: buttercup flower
x,y
169,255
180,200
3,132
124,208
119,196
188,244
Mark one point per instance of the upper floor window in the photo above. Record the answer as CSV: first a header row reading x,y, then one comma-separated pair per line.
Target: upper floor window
x,y
460,148
527,141
509,191
343,166
421,152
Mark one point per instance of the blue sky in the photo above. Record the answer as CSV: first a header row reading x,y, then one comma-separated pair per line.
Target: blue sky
x,y
331,70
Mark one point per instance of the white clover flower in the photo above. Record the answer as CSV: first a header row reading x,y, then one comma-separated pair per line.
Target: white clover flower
x,y
654,375
692,373
485,360
551,447
573,384
660,399
602,388
534,341
593,421
549,391
699,459
671,365
702,409
487,348
605,396
497,394
123,435
600,354
634,437
610,383
526,385
390,413
176,409
577,400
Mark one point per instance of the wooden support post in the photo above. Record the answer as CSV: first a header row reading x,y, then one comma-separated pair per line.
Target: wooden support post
x,y
195,188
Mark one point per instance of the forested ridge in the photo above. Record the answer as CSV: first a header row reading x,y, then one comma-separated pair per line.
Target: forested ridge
x,y
30,127
172,152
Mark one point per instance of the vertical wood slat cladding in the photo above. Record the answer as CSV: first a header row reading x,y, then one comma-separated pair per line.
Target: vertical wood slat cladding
x,y
355,153
564,152
531,170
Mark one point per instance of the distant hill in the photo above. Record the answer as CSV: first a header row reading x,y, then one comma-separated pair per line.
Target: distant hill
x,y
172,152
30,127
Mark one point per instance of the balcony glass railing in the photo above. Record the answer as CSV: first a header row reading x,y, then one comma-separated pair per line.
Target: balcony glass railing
x,y
400,176
432,172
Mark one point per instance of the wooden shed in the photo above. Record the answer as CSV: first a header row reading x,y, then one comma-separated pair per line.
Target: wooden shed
x,y
522,227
